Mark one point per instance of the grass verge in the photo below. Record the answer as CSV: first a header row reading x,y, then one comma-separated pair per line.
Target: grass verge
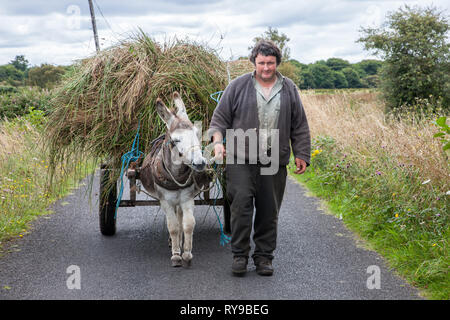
x,y
387,177
377,206
24,190
392,227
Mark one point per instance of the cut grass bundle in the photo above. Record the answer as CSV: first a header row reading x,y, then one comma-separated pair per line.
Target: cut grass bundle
x,y
96,111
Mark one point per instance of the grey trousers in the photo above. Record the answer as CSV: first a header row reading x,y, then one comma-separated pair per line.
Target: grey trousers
x,y
248,190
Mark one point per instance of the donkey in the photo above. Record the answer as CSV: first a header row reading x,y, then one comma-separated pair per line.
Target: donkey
x,y
174,173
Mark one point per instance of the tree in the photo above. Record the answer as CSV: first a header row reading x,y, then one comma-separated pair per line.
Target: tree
x,y
340,81
413,44
290,70
370,66
10,75
20,63
352,77
280,40
45,76
337,64
307,80
323,75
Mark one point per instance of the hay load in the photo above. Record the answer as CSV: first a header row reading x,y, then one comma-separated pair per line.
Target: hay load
x,y
97,109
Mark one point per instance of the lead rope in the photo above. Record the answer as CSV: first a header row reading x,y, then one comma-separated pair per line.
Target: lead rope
x,y
224,239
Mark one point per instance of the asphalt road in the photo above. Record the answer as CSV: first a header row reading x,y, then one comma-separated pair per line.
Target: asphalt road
x,y
316,258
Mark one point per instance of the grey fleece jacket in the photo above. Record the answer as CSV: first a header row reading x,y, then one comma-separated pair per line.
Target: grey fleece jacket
x,y
237,109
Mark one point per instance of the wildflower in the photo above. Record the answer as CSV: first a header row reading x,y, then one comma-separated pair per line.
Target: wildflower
x,y
316,152
378,173
396,215
434,245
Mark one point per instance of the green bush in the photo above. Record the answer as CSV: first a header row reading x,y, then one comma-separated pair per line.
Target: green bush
x,y
414,45
19,101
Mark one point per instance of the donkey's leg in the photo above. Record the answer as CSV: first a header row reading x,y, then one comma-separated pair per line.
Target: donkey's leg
x,y
173,227
179,213
188,227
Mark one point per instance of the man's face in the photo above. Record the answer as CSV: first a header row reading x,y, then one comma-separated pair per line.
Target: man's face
x,y
266,67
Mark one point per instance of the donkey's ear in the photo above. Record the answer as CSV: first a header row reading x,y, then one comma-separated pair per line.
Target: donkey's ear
x,y
181,109
165,114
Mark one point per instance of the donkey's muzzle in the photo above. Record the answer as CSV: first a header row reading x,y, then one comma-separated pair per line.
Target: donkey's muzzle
x,y
199,167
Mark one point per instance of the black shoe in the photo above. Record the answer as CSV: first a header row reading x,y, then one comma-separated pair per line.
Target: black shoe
x,y
239,267
263,266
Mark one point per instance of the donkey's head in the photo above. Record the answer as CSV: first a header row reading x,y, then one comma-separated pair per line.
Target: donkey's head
x,y
183,134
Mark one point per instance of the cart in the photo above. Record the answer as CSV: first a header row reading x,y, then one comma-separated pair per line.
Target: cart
x,y
108,198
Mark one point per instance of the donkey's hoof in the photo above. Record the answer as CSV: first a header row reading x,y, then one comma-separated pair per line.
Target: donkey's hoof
x,y
186,263
176,261
187,259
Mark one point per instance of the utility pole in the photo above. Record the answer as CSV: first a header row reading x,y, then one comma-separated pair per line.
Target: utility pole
x,y
94,26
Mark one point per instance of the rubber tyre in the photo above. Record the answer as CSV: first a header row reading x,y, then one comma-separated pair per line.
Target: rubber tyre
x,y
107,205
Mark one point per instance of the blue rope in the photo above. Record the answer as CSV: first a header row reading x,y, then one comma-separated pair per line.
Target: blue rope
x,y
224,239
216,96
132,155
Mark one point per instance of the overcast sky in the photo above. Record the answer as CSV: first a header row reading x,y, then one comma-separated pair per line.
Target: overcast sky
x,y
60,31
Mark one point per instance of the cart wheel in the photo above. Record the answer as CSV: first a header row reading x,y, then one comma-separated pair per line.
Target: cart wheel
x,y
107,205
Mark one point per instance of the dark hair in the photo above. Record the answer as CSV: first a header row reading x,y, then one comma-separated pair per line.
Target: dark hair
x,y
265,48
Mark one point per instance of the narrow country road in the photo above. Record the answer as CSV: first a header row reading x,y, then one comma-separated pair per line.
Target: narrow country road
x,y
317,258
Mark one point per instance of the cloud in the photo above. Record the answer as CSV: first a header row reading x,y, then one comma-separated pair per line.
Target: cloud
x,y
59,31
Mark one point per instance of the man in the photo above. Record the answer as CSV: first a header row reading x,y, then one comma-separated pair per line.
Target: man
x,y
259,102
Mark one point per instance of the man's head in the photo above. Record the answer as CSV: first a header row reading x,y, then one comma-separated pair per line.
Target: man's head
x,y
266,56
265,48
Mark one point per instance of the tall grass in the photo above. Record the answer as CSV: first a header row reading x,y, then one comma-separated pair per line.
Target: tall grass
x,y
24,190
388,178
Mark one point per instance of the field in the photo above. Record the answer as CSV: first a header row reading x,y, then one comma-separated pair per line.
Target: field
x,y
387,179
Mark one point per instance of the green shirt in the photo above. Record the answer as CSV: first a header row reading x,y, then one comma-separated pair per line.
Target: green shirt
x,y
268,108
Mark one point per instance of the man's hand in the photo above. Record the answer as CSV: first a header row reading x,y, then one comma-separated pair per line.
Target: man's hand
x,y
219,152
219,149
301,166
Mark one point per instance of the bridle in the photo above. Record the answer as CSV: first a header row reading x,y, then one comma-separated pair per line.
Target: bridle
x,y
173,144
